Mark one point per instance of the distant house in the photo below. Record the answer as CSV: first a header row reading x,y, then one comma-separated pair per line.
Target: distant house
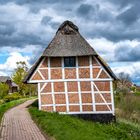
x,y
7,80
72,78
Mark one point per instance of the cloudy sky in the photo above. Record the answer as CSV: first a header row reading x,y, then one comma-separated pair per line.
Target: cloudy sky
x,y
112,27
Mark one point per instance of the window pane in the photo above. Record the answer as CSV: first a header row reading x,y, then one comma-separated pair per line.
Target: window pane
x,y
69,62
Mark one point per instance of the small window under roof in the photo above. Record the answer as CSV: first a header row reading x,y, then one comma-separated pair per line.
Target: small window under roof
x,y
69,61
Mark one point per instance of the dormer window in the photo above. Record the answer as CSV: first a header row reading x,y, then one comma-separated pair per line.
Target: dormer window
x,y
69,61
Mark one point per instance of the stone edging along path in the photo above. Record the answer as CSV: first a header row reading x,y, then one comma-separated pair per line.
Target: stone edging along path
x,y
18,125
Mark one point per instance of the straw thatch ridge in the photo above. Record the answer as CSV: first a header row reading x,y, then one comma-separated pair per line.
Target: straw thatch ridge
x,y
68,42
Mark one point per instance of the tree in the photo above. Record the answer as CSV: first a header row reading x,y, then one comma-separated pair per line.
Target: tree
x,y
124,79
4,89
18,76
124,84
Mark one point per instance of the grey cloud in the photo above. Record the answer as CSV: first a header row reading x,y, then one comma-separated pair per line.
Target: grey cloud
x,y
10,36
128,53
87,16
46,20
40,1
114,31
36,53
131,15
85,9
36,5
6,29
123,3
20,40
93,13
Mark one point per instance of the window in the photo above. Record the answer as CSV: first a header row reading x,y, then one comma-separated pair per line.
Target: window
x,y
69,62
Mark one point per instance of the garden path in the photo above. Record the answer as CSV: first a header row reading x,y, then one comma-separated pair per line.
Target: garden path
x,y
18,125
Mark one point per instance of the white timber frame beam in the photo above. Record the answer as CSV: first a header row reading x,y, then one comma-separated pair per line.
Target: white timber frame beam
x,y
112,98
70,80
65,85
49,71
102,97
78,82
92,88
43,87
41,74
39,97
53,96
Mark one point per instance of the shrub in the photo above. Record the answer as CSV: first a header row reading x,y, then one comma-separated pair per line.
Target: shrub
x,y
137,93
4,89
129,107
13,96
1,102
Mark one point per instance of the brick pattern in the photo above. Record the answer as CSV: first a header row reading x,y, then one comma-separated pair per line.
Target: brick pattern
x,y
86,98
44,63
60,108
74,108
70,73
94,62
46,99
36,76
72,86
55,61
60,99
56,73
84,73
95,72
44,72
107,97
102,107
73,98
18,125
85,86
103,75
59,87
47,108
47,88
102,86
87,107
83,61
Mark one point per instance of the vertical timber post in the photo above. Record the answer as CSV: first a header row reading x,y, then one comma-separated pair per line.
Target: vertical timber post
x,y
39,97
112,98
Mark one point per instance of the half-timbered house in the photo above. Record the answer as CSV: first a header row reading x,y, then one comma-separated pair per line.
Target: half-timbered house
x,y
72,78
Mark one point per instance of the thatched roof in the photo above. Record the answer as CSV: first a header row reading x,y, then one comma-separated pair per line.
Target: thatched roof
x,y
3,79
68,42
14,84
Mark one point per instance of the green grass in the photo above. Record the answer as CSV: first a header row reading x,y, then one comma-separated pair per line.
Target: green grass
x,y
4,107
64,127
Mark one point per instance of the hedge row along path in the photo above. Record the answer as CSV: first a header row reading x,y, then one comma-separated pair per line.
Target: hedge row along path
x,y
18,125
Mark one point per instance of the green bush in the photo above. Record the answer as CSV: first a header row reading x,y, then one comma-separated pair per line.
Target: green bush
x,y
137,93
12,97
4,89
1,102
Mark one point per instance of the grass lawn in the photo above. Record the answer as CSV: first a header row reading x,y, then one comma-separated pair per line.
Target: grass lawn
x,y
64,127
4,107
